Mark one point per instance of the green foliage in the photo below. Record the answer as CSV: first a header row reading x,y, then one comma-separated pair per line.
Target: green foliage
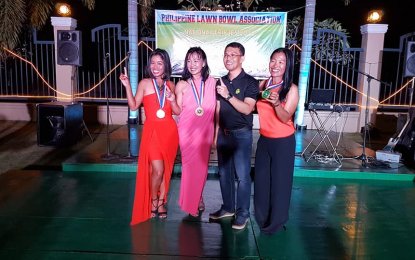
x,y
330,46
146,8
214,5
12,16
39,11
295,27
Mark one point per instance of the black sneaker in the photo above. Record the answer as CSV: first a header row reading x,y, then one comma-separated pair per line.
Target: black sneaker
x,y
220,214
239,224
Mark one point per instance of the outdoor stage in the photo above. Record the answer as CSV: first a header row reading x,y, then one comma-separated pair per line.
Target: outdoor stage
x,y
346,162
81,210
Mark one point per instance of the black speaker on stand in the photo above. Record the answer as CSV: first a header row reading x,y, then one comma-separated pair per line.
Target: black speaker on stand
x,y
69,47
409,69
406,141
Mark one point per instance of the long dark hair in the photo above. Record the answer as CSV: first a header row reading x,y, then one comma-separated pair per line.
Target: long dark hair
x,y
289,71
205,70
166,60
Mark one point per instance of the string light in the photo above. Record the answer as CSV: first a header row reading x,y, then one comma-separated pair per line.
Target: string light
x,y
68,96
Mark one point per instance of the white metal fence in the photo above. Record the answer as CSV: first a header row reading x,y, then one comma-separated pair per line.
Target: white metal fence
x,y
29,74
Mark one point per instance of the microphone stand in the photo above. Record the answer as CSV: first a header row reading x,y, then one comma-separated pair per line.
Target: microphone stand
x,y
108,155
363,157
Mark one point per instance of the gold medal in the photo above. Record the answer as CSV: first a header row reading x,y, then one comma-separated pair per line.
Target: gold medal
x,y
160,91
160,113
199,111
267,92
198,97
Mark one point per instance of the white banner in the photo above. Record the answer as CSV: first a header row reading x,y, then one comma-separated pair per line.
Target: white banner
x,y
259,32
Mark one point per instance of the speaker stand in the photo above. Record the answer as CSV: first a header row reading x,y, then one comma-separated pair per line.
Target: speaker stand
x,y
87,131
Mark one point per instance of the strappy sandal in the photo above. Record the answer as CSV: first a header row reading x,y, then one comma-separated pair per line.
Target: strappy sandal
x,y
201,205
162,214
156,206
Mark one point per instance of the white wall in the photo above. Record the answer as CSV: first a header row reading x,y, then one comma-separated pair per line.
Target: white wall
x,y
119,116
27,112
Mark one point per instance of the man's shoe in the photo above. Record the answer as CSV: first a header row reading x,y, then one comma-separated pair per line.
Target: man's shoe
x,y
220,214
239,224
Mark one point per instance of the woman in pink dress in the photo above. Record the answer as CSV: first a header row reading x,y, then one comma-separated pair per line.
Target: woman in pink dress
x,y
196,96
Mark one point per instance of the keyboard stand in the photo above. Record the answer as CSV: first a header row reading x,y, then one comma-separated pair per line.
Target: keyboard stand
x,y
323,132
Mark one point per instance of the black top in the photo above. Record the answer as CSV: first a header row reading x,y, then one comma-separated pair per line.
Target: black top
x,y
244,85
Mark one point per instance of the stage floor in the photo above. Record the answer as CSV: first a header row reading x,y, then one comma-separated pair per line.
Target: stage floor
x,y
337,211
118,154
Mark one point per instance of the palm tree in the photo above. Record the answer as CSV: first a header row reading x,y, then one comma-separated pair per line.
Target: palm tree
x,y
208,5
19,15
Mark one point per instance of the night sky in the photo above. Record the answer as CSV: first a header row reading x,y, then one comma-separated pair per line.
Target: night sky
x,y
399,17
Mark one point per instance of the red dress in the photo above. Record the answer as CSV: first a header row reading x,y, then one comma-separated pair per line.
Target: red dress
x,y
162,134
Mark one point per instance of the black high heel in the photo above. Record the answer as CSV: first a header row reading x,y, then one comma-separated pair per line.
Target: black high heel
x,y
156,206
162,214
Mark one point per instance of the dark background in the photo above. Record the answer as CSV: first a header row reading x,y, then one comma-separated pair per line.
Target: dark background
x,y
399,17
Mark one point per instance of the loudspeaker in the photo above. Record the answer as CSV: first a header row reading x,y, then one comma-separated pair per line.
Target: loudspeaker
x,y
69,47
59,123
409,69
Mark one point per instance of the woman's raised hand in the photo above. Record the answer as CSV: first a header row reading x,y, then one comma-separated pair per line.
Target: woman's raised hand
x,y
124,78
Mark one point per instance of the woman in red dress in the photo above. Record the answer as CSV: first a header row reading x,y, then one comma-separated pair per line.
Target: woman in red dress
x,y
159,140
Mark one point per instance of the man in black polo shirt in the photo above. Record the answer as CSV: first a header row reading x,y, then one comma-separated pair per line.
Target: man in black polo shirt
x,y
237,95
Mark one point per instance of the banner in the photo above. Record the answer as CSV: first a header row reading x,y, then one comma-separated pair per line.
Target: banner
x,y
259,32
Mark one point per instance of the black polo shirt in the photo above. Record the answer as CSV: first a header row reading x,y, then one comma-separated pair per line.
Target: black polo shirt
x,y
244,85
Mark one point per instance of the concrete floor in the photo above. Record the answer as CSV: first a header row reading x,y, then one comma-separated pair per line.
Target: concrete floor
x,y
48,211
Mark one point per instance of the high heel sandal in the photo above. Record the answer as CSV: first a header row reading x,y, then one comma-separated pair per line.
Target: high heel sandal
x,y
162,214
156,206
201,205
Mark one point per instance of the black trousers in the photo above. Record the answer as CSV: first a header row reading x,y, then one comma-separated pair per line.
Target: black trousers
x,y
273,180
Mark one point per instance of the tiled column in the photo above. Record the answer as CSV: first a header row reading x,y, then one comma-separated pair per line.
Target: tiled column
x,y
373,36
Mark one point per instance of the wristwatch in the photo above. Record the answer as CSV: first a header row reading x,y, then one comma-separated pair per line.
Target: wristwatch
x,y
229,96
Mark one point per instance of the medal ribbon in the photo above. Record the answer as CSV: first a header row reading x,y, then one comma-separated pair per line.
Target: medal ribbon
x,y
163,98
199,99
273,86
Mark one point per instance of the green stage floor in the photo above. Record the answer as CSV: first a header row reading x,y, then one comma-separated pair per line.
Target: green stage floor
x,y
120,159
69,203
78,215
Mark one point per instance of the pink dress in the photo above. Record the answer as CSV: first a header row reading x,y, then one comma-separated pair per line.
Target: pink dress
x,y
195,140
